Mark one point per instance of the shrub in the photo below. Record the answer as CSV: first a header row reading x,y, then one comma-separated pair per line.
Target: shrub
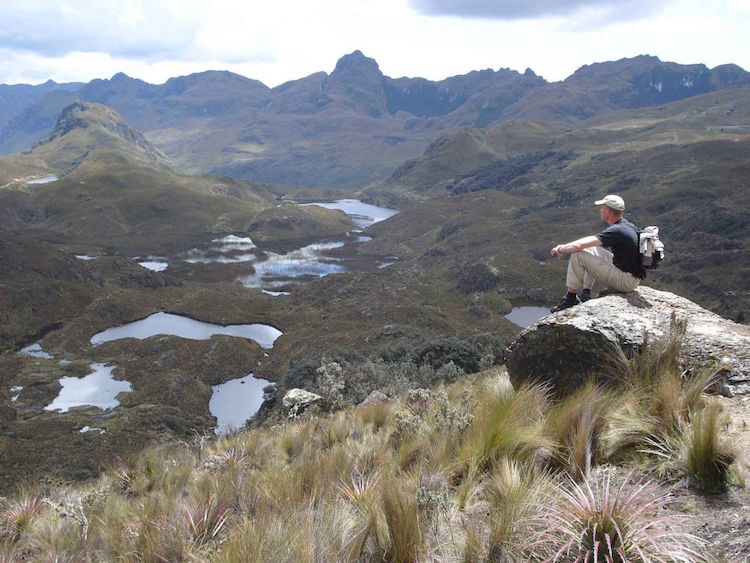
x,y
436,353
449,373
330,384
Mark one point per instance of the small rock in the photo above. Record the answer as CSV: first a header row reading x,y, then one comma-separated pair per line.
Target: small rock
x,y
373,398
297,400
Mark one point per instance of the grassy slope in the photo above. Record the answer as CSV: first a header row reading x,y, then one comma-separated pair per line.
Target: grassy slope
x,y
471,472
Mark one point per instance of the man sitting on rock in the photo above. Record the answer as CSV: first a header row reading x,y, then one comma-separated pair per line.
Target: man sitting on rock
x,y
619,270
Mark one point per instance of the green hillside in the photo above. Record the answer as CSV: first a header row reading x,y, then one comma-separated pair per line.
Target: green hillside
x,y
503,197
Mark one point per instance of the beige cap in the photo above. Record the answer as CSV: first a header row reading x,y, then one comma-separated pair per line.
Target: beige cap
x,y
613,201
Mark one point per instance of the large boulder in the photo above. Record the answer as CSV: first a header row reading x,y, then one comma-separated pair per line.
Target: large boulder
x,y
566,348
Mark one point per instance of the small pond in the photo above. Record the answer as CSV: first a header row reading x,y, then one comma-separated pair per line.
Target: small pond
x,y
98,389
527,315
184,327
233,403
45,180
309,260
35,350
226,250
363,214
153,263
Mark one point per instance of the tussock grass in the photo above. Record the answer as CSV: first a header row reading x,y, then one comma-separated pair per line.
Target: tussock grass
x,y
404,525
515,494
508,425
576,424
475,471
708,458
594,521
20,514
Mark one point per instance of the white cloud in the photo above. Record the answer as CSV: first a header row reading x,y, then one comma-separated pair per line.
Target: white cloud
x,y
605,10
275,41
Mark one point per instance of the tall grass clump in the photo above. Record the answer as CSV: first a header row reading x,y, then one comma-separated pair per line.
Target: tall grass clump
x,y
508,425
404,525
19,515
669,393
576,424
594,521
515,492
707,458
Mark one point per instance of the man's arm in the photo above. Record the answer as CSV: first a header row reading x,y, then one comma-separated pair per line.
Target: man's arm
x,y
575,246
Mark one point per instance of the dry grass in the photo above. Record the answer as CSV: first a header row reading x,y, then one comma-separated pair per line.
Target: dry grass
x,y
461,473
594,521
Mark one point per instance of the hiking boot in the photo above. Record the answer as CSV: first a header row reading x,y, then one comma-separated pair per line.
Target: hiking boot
x,y
565,303
585,295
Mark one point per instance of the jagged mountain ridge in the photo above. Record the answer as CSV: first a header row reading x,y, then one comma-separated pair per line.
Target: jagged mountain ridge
x,y
356,125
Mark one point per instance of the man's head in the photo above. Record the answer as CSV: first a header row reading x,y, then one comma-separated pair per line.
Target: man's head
x,y
612,208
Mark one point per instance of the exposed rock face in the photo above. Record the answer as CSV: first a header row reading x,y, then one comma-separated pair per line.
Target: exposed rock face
x,y
297,400
567,347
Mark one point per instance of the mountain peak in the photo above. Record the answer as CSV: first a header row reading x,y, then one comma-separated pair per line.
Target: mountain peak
x,y
120,76
357,62
94,118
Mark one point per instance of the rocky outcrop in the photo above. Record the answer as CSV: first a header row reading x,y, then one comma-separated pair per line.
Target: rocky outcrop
x,y
297,400
568,347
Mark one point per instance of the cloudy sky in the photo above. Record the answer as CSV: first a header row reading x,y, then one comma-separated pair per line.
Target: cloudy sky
x,y
279,40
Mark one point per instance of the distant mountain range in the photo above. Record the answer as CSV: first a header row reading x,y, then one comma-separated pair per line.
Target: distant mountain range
x,y
348,128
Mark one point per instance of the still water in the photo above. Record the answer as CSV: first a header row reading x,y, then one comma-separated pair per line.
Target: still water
x,y
97,389
45,180
306,261
233,403
363,214
528,315
184,327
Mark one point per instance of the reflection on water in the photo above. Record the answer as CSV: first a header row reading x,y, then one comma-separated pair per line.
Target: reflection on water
x,y
97,389
363,214
527,315
45,180
306,261
184,327
233,242
92,429
35,350
236,401
155,266
226,250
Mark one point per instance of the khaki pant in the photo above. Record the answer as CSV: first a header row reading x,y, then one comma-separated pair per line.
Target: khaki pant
x,y
594,264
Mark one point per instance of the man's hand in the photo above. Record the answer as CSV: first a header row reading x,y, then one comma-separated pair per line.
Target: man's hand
x,y
557,251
